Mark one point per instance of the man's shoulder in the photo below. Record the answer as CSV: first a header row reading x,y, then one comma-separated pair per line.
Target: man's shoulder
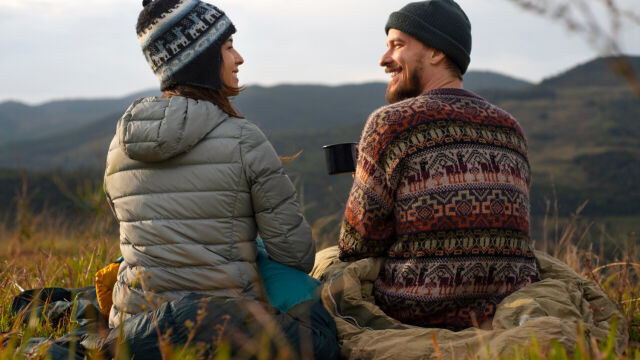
x,y
398,117
439,107
460,104
401,106
425,106
441,102
395,113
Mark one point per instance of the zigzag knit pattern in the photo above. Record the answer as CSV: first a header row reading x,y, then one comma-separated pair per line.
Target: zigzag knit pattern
x,y
182,33
442,190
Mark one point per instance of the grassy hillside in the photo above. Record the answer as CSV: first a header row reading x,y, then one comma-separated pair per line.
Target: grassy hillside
x,y
585,142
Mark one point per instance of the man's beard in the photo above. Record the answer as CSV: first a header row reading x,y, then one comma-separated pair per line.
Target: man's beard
x,y
405,89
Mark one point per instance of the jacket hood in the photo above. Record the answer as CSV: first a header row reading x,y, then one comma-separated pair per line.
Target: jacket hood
x,y
156,129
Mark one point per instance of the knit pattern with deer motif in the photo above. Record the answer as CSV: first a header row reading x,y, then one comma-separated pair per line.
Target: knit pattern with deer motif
x,y
442,191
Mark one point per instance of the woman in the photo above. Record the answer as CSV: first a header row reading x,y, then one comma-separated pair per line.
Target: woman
x,y
192,182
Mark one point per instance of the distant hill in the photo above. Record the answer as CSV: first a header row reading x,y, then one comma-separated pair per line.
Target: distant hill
x,y
487,80
285,108
84,147
597,72
23,122
309,107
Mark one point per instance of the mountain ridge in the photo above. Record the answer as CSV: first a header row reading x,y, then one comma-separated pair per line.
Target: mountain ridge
x,y
26,122
21,121
503,81
603,71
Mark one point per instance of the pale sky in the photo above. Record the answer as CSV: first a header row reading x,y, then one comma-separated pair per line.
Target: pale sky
x,y
58,49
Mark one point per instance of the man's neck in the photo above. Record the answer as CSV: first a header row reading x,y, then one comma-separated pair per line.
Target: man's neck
x,y
443,83
440,78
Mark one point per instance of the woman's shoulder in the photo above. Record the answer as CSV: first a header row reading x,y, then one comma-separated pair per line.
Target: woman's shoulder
x,y
243,128
149,101
232,127
250,133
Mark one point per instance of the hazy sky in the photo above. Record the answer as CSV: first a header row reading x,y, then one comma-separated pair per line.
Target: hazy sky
x,y
53,49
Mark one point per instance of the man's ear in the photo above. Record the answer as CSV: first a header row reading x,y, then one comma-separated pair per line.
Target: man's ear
x,y
437,57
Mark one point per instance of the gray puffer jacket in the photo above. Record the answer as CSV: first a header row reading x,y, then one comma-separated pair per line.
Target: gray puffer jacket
x,y
191,187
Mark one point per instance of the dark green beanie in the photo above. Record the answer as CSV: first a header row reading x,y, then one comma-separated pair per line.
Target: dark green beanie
x,y
440,24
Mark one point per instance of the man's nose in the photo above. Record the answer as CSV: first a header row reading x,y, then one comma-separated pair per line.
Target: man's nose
x,y
386,58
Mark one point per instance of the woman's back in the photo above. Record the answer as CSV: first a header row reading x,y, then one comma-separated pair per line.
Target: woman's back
x,y
191,186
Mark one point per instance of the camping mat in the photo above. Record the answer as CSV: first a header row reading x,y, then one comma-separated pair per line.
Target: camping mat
x,y
550,309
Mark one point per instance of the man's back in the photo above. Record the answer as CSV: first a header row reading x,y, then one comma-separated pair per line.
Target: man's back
x,y
442,190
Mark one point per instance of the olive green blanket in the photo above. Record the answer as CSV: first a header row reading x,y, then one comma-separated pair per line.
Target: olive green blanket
x,y
548,310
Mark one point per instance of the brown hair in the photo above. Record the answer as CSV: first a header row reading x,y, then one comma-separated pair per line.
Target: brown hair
x,y
453,68
219,98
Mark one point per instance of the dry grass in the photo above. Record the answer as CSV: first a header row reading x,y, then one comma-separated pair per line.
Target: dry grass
x,y
46,250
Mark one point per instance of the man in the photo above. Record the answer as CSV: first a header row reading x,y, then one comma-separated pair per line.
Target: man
x,y
442,182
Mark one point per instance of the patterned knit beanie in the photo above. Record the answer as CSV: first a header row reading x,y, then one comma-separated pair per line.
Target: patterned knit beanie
x,y
440,24
182,39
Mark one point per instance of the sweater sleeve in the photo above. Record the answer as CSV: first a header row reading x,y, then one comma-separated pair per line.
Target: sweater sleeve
x,y
282,227
368,225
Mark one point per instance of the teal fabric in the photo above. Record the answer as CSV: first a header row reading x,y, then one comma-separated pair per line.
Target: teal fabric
x,y
285,285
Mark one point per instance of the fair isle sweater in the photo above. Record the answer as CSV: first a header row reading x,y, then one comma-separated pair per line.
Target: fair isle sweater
x,y
442,191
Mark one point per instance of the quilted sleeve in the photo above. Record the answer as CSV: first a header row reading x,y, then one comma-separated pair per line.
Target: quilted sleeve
x,y
281,225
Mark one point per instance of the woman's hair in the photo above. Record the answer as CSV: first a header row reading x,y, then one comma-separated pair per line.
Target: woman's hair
x,y
219,98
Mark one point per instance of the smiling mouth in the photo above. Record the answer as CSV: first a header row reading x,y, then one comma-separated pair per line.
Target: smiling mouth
x,y
393,72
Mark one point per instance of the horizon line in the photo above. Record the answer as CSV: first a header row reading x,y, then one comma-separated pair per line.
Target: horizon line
x,y
301,83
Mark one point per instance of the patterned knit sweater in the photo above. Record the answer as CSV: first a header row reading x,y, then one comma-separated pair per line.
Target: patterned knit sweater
x,y
442,190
